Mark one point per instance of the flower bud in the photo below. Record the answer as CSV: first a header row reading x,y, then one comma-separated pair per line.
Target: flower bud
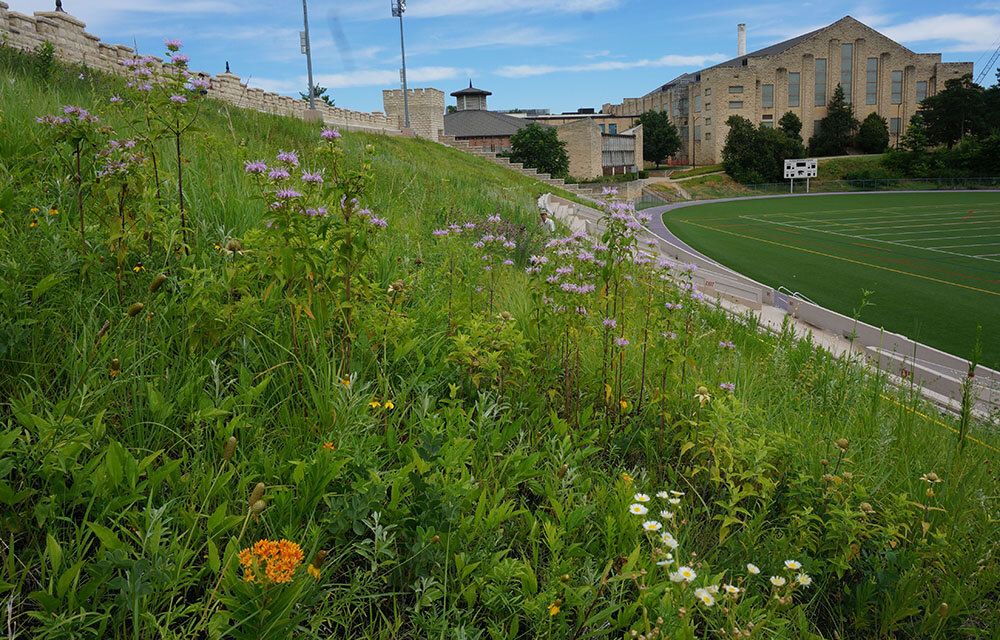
x,y
842,444
116,365
866,508
397,287
319,559
229,449
562,471
943,610
564,577
234,246
257,494
702,390
135,309
157,282
435,539
257,508
825,462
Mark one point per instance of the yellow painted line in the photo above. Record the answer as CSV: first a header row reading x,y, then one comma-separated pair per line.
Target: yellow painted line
x,y
828,255
939,423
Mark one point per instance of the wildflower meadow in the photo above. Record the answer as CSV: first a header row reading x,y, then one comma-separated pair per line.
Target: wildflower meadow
x,y
266,379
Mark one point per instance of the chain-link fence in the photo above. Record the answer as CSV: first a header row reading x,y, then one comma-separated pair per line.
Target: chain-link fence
x,y
879,184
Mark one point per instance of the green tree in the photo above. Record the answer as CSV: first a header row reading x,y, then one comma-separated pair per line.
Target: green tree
x,y
955,112
540,148
915,138
660,139
836,130
873,134
319,93
757,154
791,126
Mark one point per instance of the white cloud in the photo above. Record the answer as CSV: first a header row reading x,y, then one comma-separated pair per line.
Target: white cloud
x,y
499,37
374,9
527,70
97,9
954,32
384,78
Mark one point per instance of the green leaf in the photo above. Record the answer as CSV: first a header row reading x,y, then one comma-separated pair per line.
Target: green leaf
x,y
214,561
67,578
114,461
106,536
44,285
54,551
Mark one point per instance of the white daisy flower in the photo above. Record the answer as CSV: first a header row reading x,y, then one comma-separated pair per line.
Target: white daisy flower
x,y
752,568
674,501
667,515
669,540
777,581
687,573
713,589
651,525
705,596
731,590
641,497
803,579
662,494
638,509
664,562
793,565
675,576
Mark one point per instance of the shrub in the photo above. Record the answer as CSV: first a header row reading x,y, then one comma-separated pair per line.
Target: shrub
x,y
540,148
873,134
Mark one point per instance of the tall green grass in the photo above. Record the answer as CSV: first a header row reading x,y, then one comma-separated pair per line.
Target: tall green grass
x,y
468,509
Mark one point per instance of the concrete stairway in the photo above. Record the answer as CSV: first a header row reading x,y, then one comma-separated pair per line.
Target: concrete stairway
x,y
462,145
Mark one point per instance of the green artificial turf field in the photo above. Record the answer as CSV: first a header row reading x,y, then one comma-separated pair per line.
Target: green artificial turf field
x,y
931,259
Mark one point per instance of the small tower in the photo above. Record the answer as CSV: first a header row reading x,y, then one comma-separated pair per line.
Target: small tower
x,y
471,99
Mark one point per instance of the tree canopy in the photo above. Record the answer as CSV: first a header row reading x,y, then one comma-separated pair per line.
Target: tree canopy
x,y
958,110
873,134
540,148
660,139
757,154
836,130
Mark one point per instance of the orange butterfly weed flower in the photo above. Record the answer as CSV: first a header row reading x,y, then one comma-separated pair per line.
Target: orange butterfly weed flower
x,y
270,562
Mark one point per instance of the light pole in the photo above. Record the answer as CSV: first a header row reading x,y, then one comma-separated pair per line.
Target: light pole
x,y
398,7
307,49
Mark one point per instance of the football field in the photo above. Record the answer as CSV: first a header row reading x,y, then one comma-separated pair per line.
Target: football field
x,y
932,260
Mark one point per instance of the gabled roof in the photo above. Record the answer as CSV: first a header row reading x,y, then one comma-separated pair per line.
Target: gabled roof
x,y
480,123
472,91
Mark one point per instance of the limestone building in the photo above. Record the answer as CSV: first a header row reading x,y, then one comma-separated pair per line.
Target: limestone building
x,y
799,75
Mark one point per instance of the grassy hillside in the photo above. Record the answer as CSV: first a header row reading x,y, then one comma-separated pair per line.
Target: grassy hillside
x,y
238,419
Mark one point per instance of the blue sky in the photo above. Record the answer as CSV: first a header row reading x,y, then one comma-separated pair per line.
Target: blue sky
x,y
560,55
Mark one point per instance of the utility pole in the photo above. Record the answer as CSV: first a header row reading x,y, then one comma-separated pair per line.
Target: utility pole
x,y
398,7
307,49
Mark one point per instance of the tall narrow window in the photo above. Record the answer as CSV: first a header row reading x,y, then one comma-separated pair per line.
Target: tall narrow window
x,y
697,132
846,70
602,129
817,125
697,104
921,90
612,128
897,87
894,126
767,96
871,81
820,92
793,89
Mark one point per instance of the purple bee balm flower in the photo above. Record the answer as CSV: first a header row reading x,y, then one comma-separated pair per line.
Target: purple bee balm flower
x,y
725,344
728,386
330,134
288,157
609,322
378,222
145,87
487,268
278,174
173,45
470,225
179,58
538,260
129,144
316,177
478,245
178,99
200,83
363,212
609,191
493,218
509,245
287,194
669,335
671,305
552,279
439,232
115,100
257,167
621,342
508,262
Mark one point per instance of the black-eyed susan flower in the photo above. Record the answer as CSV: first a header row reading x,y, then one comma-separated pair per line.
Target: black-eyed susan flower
x,y
554,607
53,211
33,210
138,268
33,224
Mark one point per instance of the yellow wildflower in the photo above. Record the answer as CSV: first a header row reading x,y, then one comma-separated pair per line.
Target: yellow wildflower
x,y
389,404
374,404
53,211
271,561
34,223
33,210
313,571
627,478
623,404
554,607
346,382
137,268
329,445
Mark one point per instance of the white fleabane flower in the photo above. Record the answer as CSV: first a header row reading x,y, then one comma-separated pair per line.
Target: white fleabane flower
x,y
667,515
675,576
669,540
674,501
752,568
677,493
803,579
638,509
664,562
793,565
641,497
662,494
687,573
713,589
777,581
651,525
705,596
731,590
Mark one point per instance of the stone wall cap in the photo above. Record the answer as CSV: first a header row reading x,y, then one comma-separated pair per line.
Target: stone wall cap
x,y
4,5
59,15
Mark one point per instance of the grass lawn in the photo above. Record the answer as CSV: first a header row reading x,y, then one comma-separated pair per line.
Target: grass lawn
x,y
932,260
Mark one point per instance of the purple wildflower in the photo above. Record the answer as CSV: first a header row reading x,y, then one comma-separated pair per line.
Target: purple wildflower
x,y
440,232
277,174
609,191
728,386
172,45
493,218
725,344
179,58
200,83
538,260
509,263
145,87
178,99
115,100
289,157
470,225
621,342
378,222
287,194
330,134
669,335
610,322
316,177
257,167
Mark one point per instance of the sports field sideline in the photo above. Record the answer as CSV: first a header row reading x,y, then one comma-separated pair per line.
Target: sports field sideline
x,y
931,259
